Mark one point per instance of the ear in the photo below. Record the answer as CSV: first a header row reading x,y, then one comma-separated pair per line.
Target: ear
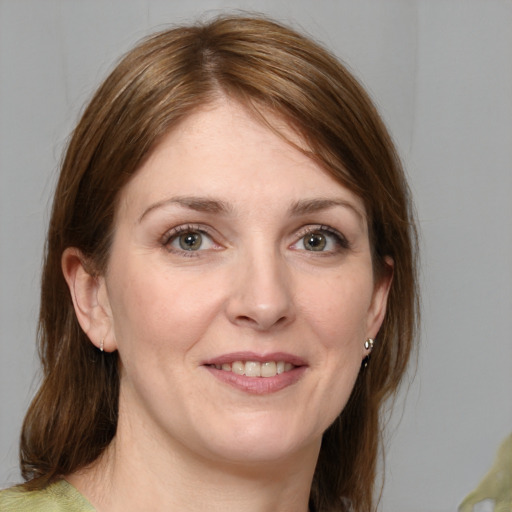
x,y
90,299
377,310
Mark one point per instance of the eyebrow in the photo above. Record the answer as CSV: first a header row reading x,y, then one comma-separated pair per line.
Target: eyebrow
x,y
198,204
208,205
305,206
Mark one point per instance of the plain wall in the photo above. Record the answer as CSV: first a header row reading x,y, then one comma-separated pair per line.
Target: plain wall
x,y
440,71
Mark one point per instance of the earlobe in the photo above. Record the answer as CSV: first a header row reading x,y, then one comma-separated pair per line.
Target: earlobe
x,y
89,297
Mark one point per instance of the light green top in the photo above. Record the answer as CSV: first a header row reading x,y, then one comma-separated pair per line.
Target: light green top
x,y
57,497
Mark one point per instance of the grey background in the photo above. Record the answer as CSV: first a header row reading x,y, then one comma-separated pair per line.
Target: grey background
x,y
441,74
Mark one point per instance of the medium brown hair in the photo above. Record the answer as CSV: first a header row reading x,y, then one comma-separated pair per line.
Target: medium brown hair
x,y
269,68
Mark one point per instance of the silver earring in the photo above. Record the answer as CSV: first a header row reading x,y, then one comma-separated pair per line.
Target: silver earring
x,y
368,345
101,344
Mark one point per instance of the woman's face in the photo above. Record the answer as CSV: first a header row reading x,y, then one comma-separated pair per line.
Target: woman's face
x,y
239,292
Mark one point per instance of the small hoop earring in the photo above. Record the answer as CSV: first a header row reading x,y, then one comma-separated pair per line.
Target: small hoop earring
x,y
101,344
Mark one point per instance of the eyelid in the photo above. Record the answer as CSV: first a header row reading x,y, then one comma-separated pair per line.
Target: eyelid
x,y
174,232
340,239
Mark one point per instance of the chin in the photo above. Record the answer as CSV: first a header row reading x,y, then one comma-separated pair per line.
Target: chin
x,y
268,441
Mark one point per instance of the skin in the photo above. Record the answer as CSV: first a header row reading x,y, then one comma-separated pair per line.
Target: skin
x,y
252,285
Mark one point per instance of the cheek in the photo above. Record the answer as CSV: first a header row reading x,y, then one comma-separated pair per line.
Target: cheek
x,y
339,308
156,310
338,323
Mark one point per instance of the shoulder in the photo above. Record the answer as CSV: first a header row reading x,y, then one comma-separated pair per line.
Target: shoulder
x,y
59,496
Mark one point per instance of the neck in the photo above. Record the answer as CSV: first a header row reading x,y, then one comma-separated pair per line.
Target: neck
x,y
137,473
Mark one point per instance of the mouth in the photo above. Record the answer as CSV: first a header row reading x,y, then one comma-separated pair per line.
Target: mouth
x,y
257,374
264,369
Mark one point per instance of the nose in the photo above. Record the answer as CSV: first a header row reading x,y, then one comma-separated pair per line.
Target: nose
x,y
261,295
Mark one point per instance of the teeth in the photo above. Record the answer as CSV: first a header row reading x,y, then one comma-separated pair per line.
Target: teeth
x,y
238,367
252,369
268,369
255,368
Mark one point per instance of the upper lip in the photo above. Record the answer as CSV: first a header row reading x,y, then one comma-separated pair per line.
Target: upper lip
x,y
253,356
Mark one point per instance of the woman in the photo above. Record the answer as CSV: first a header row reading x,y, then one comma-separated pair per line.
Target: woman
x,y
231,237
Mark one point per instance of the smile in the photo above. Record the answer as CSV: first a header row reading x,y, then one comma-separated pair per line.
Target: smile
x,y
257,374
255,368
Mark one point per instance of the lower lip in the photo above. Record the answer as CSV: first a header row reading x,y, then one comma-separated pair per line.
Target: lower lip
x,y
258,385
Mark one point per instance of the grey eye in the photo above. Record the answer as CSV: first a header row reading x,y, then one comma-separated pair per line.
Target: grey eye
x,y
315,242
190,241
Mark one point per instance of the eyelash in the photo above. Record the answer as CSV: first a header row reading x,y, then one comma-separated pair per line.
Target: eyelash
x,y
170,236
341,242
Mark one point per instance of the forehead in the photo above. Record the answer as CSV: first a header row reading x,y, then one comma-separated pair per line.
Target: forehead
x,y
226,151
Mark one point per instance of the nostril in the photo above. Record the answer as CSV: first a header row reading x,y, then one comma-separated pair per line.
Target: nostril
x,y
280,321
247,321
261,323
